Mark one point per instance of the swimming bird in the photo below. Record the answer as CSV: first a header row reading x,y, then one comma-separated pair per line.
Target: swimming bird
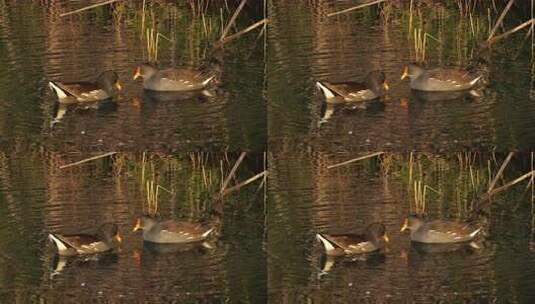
x,y
172,79
172,232
373,87
439,231
439,79
79,92
105,239
351,244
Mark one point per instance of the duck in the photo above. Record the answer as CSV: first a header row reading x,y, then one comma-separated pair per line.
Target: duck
x,y
439,79
172,79
439,231
374,86
79,92
354,244
106,239
172,232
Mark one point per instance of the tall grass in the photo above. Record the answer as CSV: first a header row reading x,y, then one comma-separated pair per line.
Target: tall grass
x,y
189,28
466,24
188,185
452,183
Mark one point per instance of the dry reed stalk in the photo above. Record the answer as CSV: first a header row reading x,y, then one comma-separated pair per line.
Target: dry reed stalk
x,y
355,8
232,171
500,172
204,177
512,31
88,160
142,19
152,45
532,196
532,29
420,42
153,40
240,33
500,19
88,7
411,163
488,195
232,20
244,183
143,163
152,197
419,197
410,16
355,160
509,184
222,20
489,172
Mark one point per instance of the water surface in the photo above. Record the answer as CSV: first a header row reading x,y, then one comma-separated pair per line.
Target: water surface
x,y
37,45
305,197
306,46
38,198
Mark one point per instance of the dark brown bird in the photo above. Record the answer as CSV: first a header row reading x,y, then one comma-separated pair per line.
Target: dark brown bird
x,y
73,92
105,239
351,244
373,87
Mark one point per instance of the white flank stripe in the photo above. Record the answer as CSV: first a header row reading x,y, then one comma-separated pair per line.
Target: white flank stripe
x,y
328,246
473,234
58,90
58,242
208,232
208,80
473,82
328,93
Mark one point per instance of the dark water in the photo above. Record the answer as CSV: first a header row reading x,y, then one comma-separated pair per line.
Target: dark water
x,y
305,197
266,251
305,46
36,46
37,198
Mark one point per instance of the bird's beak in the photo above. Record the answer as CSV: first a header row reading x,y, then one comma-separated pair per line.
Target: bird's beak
x,y
137,73
138,226
118,238
386,86
405,225
118,86
405,73
386,238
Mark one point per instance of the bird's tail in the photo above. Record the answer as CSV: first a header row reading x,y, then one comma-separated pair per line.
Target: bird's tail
x,y
56,88
59,243
208,80
326,91
473,82
473,234
207,233
326,243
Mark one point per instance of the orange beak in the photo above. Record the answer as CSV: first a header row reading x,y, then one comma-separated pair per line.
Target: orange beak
x,y
405,225
137,74
386,238
386,86
138,226
405,73
118,86
118,238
